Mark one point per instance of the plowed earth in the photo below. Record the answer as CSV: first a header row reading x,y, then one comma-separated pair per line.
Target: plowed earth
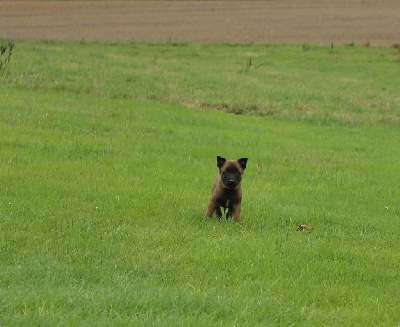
x,y
374,22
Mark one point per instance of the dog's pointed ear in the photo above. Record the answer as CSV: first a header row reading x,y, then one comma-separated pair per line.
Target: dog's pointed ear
x,y
220,161
242,163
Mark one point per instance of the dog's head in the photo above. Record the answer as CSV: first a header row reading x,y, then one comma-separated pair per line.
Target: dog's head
x,y
231,171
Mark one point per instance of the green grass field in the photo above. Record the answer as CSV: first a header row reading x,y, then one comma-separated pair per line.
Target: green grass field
x,y
107,165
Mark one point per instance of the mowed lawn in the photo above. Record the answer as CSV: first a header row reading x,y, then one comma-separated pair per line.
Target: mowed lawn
x,y
104,182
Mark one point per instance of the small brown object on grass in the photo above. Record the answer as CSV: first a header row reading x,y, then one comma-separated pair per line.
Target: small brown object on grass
x,y
303,227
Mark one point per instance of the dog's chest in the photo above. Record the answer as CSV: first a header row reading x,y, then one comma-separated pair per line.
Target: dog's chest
x,y
228,198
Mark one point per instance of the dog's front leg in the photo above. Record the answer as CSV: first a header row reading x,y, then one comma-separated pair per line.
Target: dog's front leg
x,y
218,212
236,212
230,212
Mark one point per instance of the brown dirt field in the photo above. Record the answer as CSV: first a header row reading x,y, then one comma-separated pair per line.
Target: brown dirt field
x,y
295,21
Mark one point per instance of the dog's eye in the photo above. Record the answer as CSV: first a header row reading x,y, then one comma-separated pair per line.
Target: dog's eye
x,y
225,173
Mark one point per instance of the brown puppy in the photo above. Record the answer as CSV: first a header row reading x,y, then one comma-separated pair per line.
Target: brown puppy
x,y
227,190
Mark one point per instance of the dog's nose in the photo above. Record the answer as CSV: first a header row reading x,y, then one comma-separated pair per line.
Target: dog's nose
x,y
231,181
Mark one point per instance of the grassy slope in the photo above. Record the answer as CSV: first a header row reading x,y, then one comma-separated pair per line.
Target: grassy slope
x,y
102,204
353,84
